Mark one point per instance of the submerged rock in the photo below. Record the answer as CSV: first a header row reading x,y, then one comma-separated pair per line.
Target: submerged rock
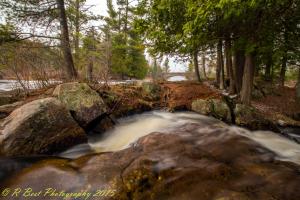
x,y
84,103
193,161
40,127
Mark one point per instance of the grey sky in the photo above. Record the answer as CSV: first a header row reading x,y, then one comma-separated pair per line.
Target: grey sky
x,y
100,6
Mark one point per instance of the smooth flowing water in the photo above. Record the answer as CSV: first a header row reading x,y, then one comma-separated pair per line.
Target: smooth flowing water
x,y
177,78
130,129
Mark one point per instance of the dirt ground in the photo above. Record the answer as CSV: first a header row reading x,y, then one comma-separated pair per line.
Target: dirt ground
x,y
181,95
279,105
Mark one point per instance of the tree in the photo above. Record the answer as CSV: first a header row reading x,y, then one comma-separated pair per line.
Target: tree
x,y
127,54
43,14
204,65
163,23
156,69
7,34
298,87
79,17
252,31
166,65
71,73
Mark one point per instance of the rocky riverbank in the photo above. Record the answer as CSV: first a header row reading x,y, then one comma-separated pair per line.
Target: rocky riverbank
x,y
58,118
269,110
93,108
204,159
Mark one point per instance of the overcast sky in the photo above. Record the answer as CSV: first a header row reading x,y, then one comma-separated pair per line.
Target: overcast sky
x,y
100,6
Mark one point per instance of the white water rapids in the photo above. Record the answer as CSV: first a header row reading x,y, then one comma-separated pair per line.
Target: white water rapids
x,y
130,129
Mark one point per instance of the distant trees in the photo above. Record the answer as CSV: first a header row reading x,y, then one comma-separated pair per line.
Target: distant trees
x,y
43,14
116,47
26,60
127,49
248,36
7,33
166,65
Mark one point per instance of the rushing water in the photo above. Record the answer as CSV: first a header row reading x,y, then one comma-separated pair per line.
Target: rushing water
x,y
177,78
130,129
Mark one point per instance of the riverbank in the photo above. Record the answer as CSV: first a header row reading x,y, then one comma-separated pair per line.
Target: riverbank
x,y
156,155
276,105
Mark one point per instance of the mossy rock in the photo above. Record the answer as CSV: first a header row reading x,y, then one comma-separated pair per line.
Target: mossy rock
x,y
42,126
251,118
84,103
220,110
214,107
202,106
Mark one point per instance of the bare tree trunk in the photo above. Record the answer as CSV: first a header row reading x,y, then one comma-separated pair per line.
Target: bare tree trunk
x,y
204,65
196,65
229,66
126,19
283,70
248,77
77,30
239,63
89,71
298,87
92,48
269,64
218,69
220,65
70,71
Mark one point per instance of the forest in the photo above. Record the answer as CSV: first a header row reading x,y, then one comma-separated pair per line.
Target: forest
x,y
150,99
245,40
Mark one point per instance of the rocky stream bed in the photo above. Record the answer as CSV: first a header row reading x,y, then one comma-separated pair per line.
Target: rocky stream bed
x,y
171,156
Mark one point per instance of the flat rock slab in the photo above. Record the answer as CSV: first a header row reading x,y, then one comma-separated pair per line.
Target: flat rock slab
x,y
195,161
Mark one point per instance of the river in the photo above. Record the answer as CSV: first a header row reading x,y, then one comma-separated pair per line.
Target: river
x,y
8,85
130,129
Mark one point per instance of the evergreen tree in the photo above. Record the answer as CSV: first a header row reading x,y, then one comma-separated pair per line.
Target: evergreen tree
x,y
127,54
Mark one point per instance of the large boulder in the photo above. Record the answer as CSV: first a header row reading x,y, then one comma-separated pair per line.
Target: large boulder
x,y
84,103
251,118
190,162
214,107
202,106
40,127
220,110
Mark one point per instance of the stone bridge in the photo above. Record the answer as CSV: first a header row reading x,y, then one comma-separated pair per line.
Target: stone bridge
x,y
172,74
